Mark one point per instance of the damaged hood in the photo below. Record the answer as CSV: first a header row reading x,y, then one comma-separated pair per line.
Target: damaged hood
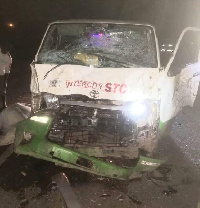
x,y
124,84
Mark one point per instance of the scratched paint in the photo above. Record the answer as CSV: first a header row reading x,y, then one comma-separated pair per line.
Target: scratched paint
x,y
123,84
181,90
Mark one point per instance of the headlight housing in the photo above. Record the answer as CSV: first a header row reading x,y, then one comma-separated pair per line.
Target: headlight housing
x,y
51,101
138,109
40,119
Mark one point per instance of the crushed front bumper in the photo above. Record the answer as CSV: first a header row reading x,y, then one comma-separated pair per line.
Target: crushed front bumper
x,y
31,139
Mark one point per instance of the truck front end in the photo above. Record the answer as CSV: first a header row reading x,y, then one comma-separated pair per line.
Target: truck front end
x,y
96,98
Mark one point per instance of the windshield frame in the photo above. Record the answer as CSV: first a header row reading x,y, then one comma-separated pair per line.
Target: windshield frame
x,y
102,22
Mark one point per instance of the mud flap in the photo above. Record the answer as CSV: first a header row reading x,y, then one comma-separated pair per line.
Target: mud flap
x,y
39,147
182,76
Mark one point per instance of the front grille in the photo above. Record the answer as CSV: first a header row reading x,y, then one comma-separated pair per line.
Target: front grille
x,y
85,126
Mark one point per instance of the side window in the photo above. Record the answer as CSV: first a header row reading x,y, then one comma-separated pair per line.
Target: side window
x,y
51,39
187,53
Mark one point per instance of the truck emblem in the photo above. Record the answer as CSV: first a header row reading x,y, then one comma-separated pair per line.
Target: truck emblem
x,y
94,94
53,83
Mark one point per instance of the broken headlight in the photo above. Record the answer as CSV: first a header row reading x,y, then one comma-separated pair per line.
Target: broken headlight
x,y
40,119
51,101
138,111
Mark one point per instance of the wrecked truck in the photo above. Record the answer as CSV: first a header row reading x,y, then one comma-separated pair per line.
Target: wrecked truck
x,y
97,90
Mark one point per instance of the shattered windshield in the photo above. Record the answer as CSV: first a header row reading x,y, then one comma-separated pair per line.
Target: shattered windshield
x,y
99,45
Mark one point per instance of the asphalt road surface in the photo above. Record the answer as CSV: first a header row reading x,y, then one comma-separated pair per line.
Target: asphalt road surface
x,y
25,181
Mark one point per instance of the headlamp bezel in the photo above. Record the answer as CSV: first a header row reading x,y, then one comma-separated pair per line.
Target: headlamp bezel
x,y
50,101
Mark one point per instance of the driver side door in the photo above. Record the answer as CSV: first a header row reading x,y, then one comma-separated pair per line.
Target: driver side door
x,y
182,76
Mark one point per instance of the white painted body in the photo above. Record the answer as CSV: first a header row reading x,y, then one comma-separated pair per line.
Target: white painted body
x,y
122,84
180,90
133,83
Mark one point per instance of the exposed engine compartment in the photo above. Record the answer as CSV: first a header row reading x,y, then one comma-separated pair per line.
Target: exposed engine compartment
x,y
113,132
93,127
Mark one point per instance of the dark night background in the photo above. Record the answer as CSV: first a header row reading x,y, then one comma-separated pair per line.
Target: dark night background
x,y
26,182
31,18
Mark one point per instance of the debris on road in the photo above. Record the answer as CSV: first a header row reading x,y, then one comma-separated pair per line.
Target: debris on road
x,y
23,173
169,191
134,200
105,195
120,198
66,190
9,118
23,202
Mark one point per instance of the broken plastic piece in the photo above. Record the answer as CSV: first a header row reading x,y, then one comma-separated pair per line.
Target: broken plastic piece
x,y
66,190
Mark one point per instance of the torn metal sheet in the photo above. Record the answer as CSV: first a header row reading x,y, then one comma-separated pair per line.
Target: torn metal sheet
x,y
40,147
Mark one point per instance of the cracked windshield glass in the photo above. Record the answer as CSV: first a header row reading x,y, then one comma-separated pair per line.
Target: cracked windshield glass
x,y
100,104
99,45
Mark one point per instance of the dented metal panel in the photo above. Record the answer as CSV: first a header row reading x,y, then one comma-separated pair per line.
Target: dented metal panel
x,y
40,147
127,84
81,57
99,85
89,102
182,75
